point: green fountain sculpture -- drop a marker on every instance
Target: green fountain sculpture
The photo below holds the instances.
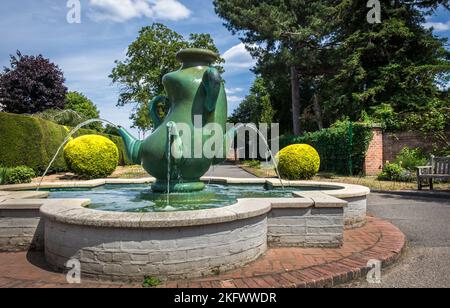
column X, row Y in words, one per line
column 196, row 91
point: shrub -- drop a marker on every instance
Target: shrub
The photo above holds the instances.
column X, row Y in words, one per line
column 31, row 141
column 411, row 158
column 91, row 156
column 395, row 172
column 17, row 175
column 342, row 147
column 3, row 171
column 252, row 164
column 298, row 162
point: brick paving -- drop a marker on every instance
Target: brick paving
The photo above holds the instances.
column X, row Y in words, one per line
column 280, row 267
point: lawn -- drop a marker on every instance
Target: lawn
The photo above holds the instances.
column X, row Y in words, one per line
column 369, row 181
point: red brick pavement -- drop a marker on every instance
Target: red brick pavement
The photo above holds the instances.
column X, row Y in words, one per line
column 281, row 267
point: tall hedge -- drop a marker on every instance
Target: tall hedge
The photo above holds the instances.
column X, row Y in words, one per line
column 32, row 142
column 342, row 148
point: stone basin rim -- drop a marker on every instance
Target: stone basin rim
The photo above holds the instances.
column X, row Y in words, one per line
column 342, row 190
column 78, row 214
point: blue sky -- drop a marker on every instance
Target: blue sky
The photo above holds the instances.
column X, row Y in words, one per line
column 86, row 52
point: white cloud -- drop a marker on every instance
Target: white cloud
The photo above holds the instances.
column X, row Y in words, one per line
column 233, row 102
column 438, row 26
column 124, row 10
column 231, row 91
column 237, row 57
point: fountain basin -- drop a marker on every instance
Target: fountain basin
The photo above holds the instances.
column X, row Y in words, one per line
column 177, row 245
column 190, row 243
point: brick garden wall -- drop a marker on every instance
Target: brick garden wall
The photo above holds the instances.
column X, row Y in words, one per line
column 394, row 143
column 386, row 146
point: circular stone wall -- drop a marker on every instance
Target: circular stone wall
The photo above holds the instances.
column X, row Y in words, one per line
column 132, row 246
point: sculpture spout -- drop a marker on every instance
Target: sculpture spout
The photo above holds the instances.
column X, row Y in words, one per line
column 132, row 145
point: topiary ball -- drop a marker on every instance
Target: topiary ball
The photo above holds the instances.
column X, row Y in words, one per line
column 298, row 162
column 91, row 156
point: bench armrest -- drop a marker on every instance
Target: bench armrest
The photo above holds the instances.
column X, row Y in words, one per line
column 423, row 170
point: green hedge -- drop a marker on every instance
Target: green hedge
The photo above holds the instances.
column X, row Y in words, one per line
column 342, row 148
column 32, row 142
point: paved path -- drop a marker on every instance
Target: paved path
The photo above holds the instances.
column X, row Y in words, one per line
column 229, row 171
column 426, row 223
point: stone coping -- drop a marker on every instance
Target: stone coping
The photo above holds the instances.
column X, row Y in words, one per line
column 16, row 195
column 337, row 190
column 73, row 212
column 36, row 204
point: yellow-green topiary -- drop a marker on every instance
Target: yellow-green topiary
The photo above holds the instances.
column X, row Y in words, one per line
column 91, row 156
column 298, row 162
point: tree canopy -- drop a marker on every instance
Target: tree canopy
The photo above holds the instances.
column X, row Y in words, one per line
column 84, row 107
column 149, row 58
column 32, row 84
column 334, row 64
column 256, row 107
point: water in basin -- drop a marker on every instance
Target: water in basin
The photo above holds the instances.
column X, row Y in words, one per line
column 139, row 198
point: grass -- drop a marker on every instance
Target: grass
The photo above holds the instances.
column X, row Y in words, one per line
column 129, row 172
column 369, row 181
column 136, row 172
column 151, row 282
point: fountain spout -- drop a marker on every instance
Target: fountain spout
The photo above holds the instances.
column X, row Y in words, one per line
column 132, row 145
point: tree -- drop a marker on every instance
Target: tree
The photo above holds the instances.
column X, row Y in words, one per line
column 84, row 107
column 396, row 69
column 256, row 107
column 32, row 84
column 141, row 119
column 355, row 68
column 151, row 56
column 298, row 32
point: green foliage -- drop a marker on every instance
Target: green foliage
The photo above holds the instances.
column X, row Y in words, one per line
column 151, row 282
column 3, row 172
column 111, row 130
column 84, row 107
column 252, row 163
column 337, row 151
column 256, row 107
column 298, row 162
column 91, row 156
column 293, row 41
column 61, row 117
column 16, row 175
column 395, row 172
column 141, row 118
column 409, row 159
column 151, row 56
column 395, row 73
column 30, row 141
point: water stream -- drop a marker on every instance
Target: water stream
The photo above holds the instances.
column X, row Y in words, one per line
column 69, row 136
column 261, row 135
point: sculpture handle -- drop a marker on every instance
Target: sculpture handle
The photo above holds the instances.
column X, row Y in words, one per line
column 212, row 83
column 153, row 109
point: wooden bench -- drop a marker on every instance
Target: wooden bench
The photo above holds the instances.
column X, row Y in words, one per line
column 438, row 170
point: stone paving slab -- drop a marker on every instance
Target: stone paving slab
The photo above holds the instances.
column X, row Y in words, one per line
column 280, row 267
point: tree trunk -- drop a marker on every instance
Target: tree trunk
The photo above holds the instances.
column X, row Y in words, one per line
column 295, row 85
column 317, row 111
